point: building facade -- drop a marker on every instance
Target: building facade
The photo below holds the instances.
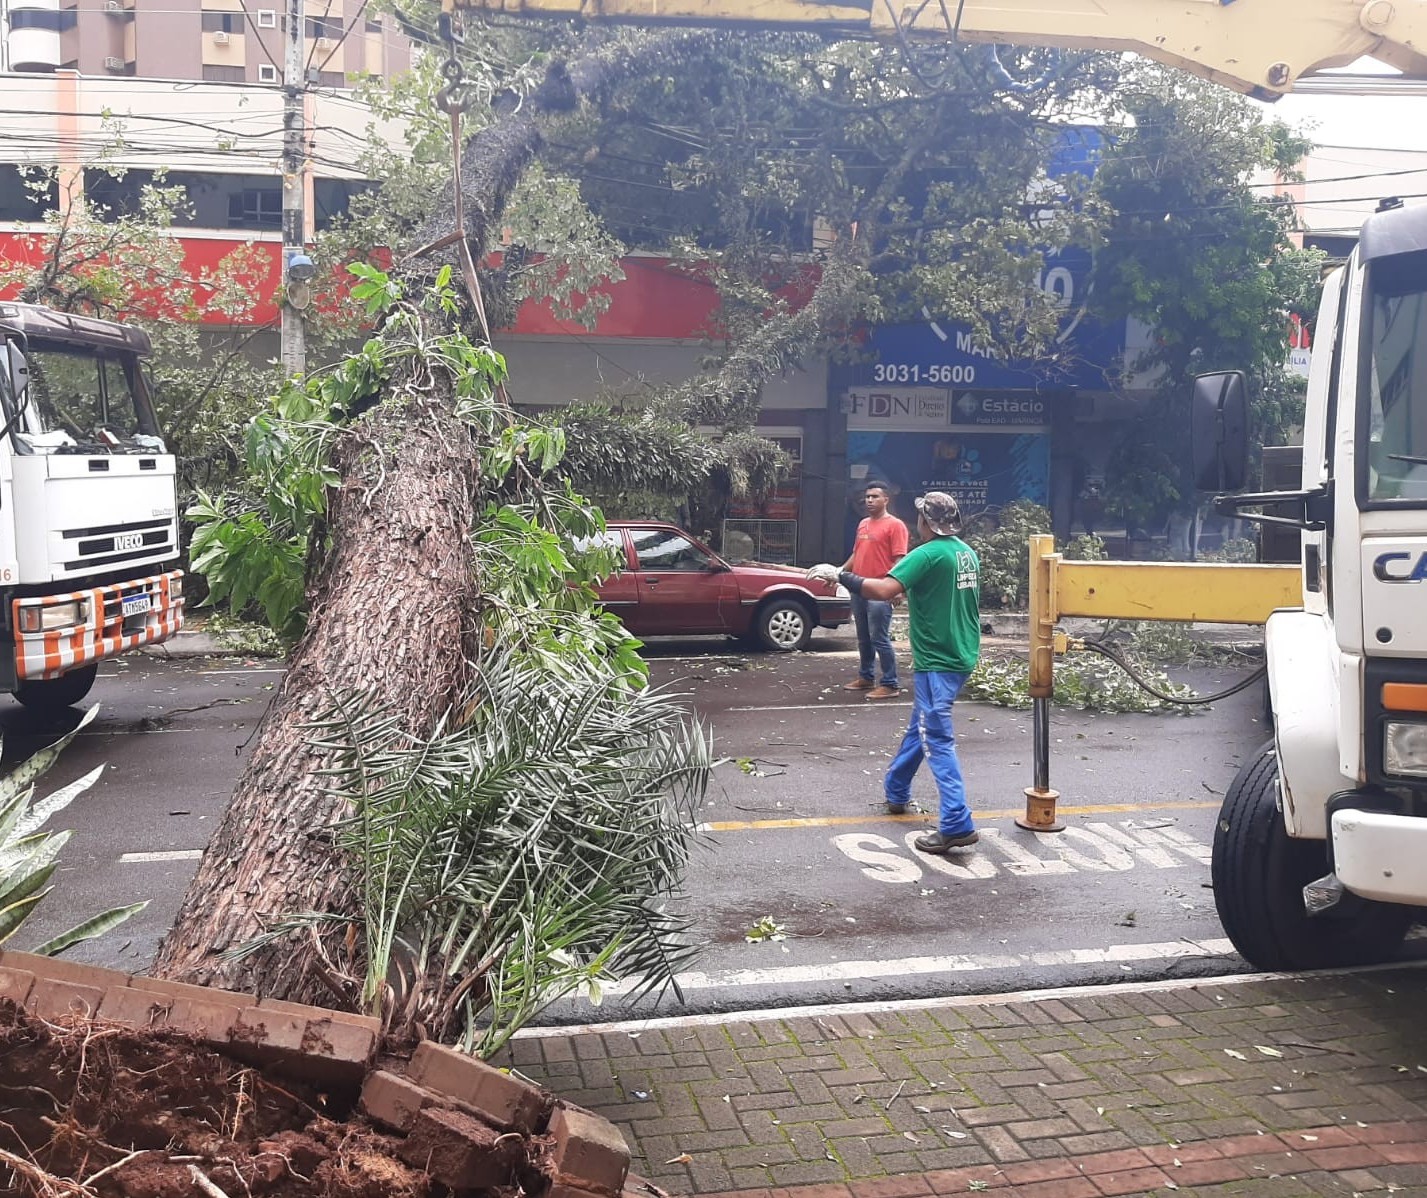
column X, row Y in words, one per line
column 215, row 41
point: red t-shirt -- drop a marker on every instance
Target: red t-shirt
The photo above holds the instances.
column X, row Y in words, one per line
column 879, row 543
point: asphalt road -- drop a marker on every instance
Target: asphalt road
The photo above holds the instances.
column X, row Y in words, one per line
column 796, row 835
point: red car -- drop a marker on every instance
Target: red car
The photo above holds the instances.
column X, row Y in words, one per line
column 672, row 585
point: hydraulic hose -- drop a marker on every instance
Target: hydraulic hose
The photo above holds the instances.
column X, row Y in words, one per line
column 1144, row 684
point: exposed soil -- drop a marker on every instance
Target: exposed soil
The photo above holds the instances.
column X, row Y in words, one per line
column 95, row 1110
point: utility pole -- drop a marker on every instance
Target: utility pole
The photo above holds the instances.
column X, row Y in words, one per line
column 294, row 161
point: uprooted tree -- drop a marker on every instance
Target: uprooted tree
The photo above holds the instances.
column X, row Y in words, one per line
column 428, row 505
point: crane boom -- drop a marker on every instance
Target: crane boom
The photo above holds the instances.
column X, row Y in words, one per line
column 1259, row 47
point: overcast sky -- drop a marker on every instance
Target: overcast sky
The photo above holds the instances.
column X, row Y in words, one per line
column 1375, row 122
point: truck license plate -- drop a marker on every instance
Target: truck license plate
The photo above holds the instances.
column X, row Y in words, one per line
column 137, row 605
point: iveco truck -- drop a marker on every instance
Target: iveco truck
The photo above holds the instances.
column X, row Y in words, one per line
column 88, row 520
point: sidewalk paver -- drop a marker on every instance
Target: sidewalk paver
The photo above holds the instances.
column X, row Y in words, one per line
column 1257, row 1087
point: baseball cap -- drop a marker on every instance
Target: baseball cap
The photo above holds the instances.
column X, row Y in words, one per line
column 940, row 511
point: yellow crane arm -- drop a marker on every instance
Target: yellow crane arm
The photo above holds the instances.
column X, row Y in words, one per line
column 1255, row 46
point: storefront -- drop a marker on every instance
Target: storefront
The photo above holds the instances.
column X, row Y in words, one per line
column 933, row 411
column 985, row 448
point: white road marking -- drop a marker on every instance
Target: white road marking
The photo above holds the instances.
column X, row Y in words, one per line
column 1088, row 848
column 942, row 1003
column 842, row 971
column 165, row 855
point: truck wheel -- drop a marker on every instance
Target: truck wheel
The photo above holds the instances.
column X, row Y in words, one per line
column 1259, row 872
column 783, row 625
column 50, row 696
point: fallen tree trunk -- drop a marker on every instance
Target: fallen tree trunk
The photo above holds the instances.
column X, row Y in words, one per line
column 392, row 617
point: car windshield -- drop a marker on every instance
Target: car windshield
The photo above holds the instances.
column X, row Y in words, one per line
column 1397, row 399
column 81, row 401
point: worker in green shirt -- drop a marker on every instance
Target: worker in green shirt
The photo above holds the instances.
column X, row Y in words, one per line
column 941, row 578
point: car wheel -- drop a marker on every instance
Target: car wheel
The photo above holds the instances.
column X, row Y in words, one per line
column 784, row 625
column 1259, row 872
column 50, row 696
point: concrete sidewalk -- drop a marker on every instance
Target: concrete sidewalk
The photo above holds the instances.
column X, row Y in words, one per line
column 1252, row 1086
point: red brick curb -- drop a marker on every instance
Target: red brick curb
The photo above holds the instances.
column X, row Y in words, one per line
column 1364, row 1159
column 465, row 1123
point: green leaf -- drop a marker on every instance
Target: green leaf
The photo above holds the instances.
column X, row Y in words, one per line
column 89, row 929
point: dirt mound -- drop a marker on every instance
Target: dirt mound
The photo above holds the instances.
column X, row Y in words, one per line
column 96, row 1110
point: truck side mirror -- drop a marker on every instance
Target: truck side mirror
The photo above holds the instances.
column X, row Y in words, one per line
column 1219, row 431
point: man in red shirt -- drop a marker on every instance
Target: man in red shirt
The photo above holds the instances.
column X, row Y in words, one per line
column 881, row 542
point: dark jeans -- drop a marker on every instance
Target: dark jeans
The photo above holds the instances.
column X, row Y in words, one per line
column 873, row 618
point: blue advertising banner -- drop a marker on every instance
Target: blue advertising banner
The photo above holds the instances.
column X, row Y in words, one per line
column 932, row 353
column 937, row 353
column 981, row 469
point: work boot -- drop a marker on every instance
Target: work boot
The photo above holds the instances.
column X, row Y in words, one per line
column 896, row 808
column 935, row 842
column 884, row 692
column 858, row 684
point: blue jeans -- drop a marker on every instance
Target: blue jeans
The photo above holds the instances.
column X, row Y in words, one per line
column 929, row 734
column 873, row 618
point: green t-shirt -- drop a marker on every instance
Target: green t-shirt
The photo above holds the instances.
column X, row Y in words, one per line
column 942, row 578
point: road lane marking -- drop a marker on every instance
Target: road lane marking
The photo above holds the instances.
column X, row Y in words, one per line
column 839, row 821
column 845, row 971
column 1089, row 848
column 165, row 855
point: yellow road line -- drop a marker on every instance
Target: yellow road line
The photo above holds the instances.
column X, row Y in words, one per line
column 837, row 821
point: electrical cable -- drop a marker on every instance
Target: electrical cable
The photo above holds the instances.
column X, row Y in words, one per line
column 1105, row 650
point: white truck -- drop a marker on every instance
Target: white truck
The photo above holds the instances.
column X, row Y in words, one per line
column 88, row 520
column 1320, row 856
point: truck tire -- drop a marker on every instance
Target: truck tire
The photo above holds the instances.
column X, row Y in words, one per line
column 783, row 625
column 1259, row 872
column 50, row 696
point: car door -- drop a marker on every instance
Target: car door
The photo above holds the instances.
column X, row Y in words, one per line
column 683, row 588
column 619, row 593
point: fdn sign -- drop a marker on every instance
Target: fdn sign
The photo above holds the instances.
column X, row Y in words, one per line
column 914, row 409
column 901, row 410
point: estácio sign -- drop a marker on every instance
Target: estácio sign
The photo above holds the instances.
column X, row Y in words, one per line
column 1023, row 409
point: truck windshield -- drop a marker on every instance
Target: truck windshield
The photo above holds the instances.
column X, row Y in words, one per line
column 80, row 401
column 1397, row 398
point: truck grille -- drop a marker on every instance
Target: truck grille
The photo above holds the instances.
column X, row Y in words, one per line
column 115, row 544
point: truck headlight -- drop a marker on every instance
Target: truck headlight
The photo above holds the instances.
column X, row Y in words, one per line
column 1404, row 749
column 53, row 615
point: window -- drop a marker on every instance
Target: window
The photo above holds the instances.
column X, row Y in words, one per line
column 222, row 22
column 111, row 196
column 328, row 27
column 255, row 208
column 374, row 25
column 660, row 549
column 39, row 18
column 333, row 198
column 213, row 74
column 267, row 18
column 267, row 73
column 331, row 79
column 78, row 394
column 1397, row 413
column 26, row 194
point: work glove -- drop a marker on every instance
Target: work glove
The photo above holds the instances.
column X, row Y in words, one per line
column 823, row 573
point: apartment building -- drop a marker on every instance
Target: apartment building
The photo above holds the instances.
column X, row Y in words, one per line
column 215, row 41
